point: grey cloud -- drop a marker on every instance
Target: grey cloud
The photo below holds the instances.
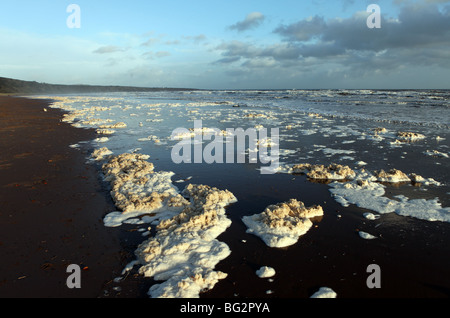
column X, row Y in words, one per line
column 303, row 30
column 197, row 38
column 322, row 50
column 252, row 20
column 238, row 48
column 228, row 60
column 173, row 42
column 418, row 38
column 158, row 54
column 150, row 42
column 260, row 63
column 108, row 49
column 416, row 26
column 437, row 1
column 280, row 51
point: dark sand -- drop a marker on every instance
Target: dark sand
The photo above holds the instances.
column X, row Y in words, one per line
column 51, row 208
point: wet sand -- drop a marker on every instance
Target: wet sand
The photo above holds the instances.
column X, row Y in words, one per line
column 52, row 217
column 413, row 254
column 51, row 208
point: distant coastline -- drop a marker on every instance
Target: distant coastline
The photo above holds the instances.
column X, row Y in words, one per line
column 15, row 86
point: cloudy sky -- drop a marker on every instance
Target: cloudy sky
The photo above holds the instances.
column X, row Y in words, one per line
column 229, row 44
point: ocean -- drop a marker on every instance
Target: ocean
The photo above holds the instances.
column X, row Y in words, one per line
column 377, row 158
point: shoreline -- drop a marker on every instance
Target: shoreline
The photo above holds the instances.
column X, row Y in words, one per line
column 51, row 208
column 331, row 254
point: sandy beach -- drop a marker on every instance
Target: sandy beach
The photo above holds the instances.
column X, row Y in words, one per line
column 223, row 157
column 53, row 205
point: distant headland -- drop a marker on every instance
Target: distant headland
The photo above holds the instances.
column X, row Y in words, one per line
column 15, row 86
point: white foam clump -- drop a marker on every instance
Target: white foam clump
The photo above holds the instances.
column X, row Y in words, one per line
column 405, row 137
column 321, row 172
column 113, row 126
column 105, row 131
column 369, row 194
column 415, row 178
column 101, row 154
column 101, row 139
column 324, row 292
column 255, row 115
column 409, row 136
column 371, row 216
column 397, row 143
column 397, row 176
column 366, row 235
column 192, row 132
column 307, row 132
column 435, row 153
column 331, row 152
column 365, row 191
column 282, row 224
column 138, row 190
column 391, row 176
column 184, row 251
column 265, row 272
column 150, row 138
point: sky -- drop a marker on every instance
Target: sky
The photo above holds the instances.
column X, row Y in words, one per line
column 246, row 44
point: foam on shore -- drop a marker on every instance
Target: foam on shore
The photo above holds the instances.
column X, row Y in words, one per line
column 184, row 251
column 101, row 154
column 281, row 225
column 265, row 272
column 391, row 176
column 370, row 195
column 436, row 153
column 409, row 136
column 321, row 172
column 324, row 292
column 365, row 189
